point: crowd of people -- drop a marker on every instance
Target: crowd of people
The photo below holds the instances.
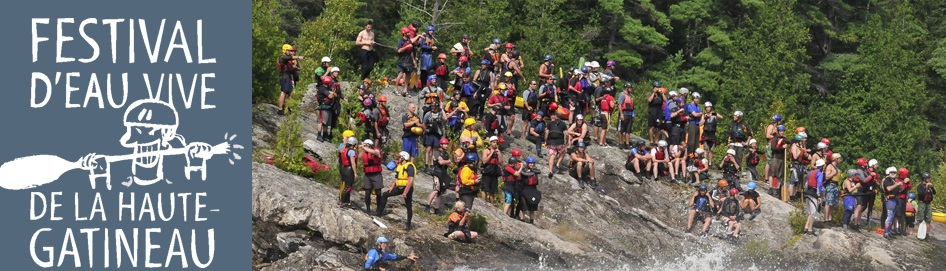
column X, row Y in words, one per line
column 474, row 96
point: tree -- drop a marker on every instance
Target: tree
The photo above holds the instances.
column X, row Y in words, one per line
column 332, row 34
column 267, row 42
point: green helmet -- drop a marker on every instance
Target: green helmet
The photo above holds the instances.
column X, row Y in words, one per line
column 799, row 137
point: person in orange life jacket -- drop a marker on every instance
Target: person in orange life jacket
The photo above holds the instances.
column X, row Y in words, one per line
column 468, row 181
column 729, row 211
column 605, row 102
column 427, row 48
column 347, row 158
column 326, row 98
column 442, row 180
column 678, row 161
column 374, row 181
column 661, row 160
column 911, row 213
column 814, row 194
column 383, row 117
column 751, row 202
column 458, row 224
column 738, row 135
column 777, row 162
column 626, row 116
column 770, row 131
column 832, row 176
column 409, row 139
column 752, row 160
column 582, row 167
column 403, row 186
column 730, row 167
column 512, row 184
column 901, row 195
column 577, row 132
column 430, row 93
column 554, row 138
column 700, row 204
column 892, row 186
column 288, row 72
column 491, row 160
column 530, row 105
column 799, row 170
column 851, row 186
column 694, row 115
column 925, row 193
column 376, row 258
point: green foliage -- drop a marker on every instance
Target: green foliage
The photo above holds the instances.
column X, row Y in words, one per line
column 479, row 223
column 289, row 153
column 939, row 182
column 332, row 34
column 797, row 219
column 267, row 42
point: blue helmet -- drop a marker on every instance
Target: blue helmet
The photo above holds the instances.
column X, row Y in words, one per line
column 496, row 40
column 432, row 77
column 530, row 160
column 430, row 28
column 751, row 186
column 702, row 187
column 584, row 69
column 547, row 58
column 471, row 157
column 656, row 83
column 484, row 62
column 382, row 240
column 540, row 113
column 391, row 165
column 781, row 128
column 911, row 196
column 581, row 144
column 776, row 117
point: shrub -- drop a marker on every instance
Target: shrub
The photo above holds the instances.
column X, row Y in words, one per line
column 797, row 219
column 479, row 223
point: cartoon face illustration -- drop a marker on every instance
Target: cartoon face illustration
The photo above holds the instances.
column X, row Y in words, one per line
column 150, row 127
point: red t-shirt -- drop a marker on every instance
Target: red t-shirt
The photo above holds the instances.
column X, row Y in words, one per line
column 606, row 103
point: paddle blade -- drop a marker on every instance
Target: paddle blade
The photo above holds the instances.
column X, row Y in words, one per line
column 32, row 171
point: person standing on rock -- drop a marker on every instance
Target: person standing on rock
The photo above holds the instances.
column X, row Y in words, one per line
column 814, row 194
column 654, row 111
column 770, row 133
column 892, row 187
column 536, row 132
column 376, row 258
column 511, row 184
column 530, row 196
column 492, row 169
column 468, row 181
column 626, row 116
column 700, row 206
column 428, row 46
column 530, row 100
column 905, row 186
column 410, row 123
column 739, row 134
column 372, row 159
column 434, row 122
column 458, row 224
column 925, row 192
column 288, row 70
column 326, row 98
column 851, row 186
column 365, row 42
column 832, row 191
column 799, row 158
column 347, row 157
column 403, row 186
column 383, row 116
column 777, row 164
column 405, row 62
column 694, row 115
column 555, row 140
column 442, row 180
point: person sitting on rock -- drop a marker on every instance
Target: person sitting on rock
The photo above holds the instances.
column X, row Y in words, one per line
column 582, row 166
column 678, row 157
column 730, row 167
column 377, row 257
column 719, row 194
column 637, row 157
column 751, row 203
column 661, row 161
column 730, row 212
column 458, row 224
column 699, row 166
column 700, row 204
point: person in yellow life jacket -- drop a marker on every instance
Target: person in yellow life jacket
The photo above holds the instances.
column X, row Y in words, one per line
column 403, row 186
column 469, row 130
column 468, row 181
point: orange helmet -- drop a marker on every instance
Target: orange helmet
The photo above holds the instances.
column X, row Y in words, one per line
column 800, row 129
column 442, row 56
column 382, row 99
column 722, row 183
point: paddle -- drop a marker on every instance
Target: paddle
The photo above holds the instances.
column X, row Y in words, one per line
column 32, row 171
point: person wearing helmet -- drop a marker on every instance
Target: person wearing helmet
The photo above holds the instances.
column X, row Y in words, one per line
column 655, row 113
column 383, row 115
column 832, row 190
column 594, row 76
column 776, row 165
column 430, row 93
column 491, row 160
column 893, row 185
column 546, row 68
column 729, row 212
column 403, row 186
column 347, row 157
column 462, row 48
column 814, row 194
column 554, row 138
column 512, row 183
column 770, row 131
column 638, row 157
column 751, row 202
column 440, row 70
column 718, row 194
column 372, row 159
column 529, row 196
column 925, row 193
column 405, row 61
column 324, row 68
column 484, row 80
column 461, row 80
column 798, row 155
column 752, row 160
column 604, row 107
column 530, row 105
column 548, row 94
column 905, row 186
column 730, row 166
column 428, row 46
column 709, row 121
column 326, row 98
column 870, row 180
column 660, row 163
column 820, row 152
column 433, row 122
column 693, row 116
column 700, row 208
column 365, row 42
column 625, row 105
column 739, row 135
column 288, row 68
column 582, row 167
column 410, row 123
column 513, row 64
column 467, row 180
column 609, row 70
column 577, row 131
column 493, row 121
column 911, row 213
column 851, row 198
column 470, row 130
column 536, row 132
column 377, row 257
column 442, row 181
column 455, row 110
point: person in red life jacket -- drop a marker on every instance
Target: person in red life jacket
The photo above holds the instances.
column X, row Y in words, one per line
column 730, row 167
column 700, row 206
column 678, row 161
column 374, row 181
column 492, row 121
column 605, row 102
column 491, row 160
column 626, row 117
column 577, row 132
column 730, row 210
column 442, row 181
column 512, row 184
column 507, row 111
column 751, row 202
column 891, row 186
column 872, row 182
column 827, row 152
column 925, row 193
column 403, row 186
column 286, row 64
column 813, row 194
column 799, row 158
column 442, row 71
column 458, row 224
column 546, row 69
column 383, row 117
column 699, row 167
column 326, row 97
column 911, row 213
column 582, row 167
column 576, row 91
column 752, row 160
column 347, row 157
column 661, row 161
column 405, row 60
column 905, row 186
column 776, row 175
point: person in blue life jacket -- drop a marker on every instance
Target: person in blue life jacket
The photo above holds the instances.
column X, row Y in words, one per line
column 700, row 206
column 377, row 258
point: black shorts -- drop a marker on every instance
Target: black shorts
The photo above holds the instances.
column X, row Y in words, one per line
column 287, row 84
column 526, row 115
column 625, row 125
column 655, row 118
column 373, row 181
column 489, row 184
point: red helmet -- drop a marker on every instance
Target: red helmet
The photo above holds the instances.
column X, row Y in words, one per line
column 442, row 56
column 533, row 115
column 444, row 141
column 516, row 153
column 862, row 162
column 553, row 106
column 826, row 141
column 903, row 172
column 326, row 80
column 509, row 45
column 463, row 59
column 733, row 191
column 382, row 99
column 405, row 30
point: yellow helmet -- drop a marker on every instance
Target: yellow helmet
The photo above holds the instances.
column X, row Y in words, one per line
column 468, row 122
column 347, row 134
column 508, row 74
column 501, row 86
column 286, row 47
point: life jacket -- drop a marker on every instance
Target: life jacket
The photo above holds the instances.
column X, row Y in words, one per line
column 532, row 99
column 802, row 158
column 441, row 70
column 508, row 176
column 701, row 202
column 557, row 130
column 753, row 158
column 548, row 69
column 494, row 160
column 383, row 117
column 778, row 149
column 659, row 154
column 343, row 157
column 628, row 104
column 372, row 163
column 551, row 90
column 533, row 180
column 926, row 195
column 739, row 132
column 402, row 174
column 910, row 208
column 287, row 67
column 813, row 178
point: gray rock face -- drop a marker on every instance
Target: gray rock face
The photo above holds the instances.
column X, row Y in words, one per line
column 636, row 225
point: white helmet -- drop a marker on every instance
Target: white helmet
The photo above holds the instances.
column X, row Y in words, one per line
column 731, row 151
column 580, row 117
column 683, row 91
column 708, row 104
column 673, row 93
column 577, row 71
column 594, row 64
column 368, row 142
column 333, row 69
column 819, row 163
column 587, row 64
column 737, row 113
column 352, row 141
column 404, row 155
column 872, row 162
column 752, row 141
column 821, row 145
column 695, row 94
column 699, row 151
column 891, row 170
column 662, row 143
column 493, row 138
column 326, row 59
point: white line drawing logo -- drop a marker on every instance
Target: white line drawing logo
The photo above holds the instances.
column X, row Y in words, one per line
column 151, row 133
